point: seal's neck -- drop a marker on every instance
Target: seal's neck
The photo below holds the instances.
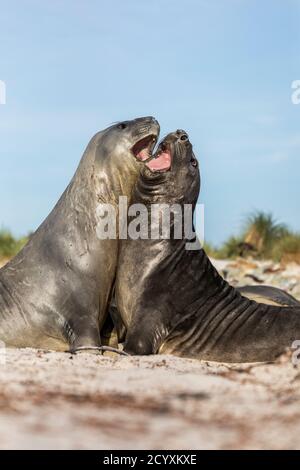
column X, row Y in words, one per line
column 104, row 180
column 152, row 188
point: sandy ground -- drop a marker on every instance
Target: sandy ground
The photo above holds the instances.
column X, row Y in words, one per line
column 57, row 401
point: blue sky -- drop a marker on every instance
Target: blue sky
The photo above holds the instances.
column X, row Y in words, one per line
column 221, row 69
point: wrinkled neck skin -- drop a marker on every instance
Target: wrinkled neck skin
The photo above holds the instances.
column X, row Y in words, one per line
column 156, row 188
column 182, row 306
column 159, row 193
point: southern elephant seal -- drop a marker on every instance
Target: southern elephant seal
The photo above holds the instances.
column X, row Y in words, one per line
column 172, row 300
column 54, row 293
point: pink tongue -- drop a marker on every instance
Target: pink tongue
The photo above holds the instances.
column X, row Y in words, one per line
column 143, row 155
column 163, row 162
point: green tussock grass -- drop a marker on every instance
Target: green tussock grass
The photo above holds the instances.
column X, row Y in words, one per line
column 288, row 247
column 261, row 237
column 263, row 232
column 9, row 245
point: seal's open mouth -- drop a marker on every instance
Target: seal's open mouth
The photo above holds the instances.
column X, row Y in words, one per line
column 162, row 160
column 142, row 150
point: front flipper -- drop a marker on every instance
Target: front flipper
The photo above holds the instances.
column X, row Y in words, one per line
column 99, row 349
column 82, row 332
column 85, row 337
column 138, row 345
column 147, row 334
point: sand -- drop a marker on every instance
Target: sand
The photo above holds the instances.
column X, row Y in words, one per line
column 52, row 400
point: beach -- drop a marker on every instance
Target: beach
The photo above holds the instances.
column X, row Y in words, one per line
column 53, row 400
column 58, row 401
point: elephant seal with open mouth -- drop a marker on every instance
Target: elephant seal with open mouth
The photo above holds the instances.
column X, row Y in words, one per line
column 54, row 293
column 172, row 300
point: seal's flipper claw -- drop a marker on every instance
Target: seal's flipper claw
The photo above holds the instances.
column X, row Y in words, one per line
column 100, row 349
column 114, row 350
column 92, row 349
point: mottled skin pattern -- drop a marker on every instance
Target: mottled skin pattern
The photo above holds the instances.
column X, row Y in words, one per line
column 173, row 301
column 54, row 293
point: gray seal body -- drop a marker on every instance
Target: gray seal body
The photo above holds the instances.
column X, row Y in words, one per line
column 54, row 293
column 173, row 301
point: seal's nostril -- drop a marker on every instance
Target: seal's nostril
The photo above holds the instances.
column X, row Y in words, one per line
column 182, row 135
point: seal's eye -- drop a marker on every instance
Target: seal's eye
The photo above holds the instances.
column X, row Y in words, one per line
column 184, row 137
column 194, row 162
column 122, row 126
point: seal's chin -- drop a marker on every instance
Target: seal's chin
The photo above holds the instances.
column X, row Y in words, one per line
column 162, row 161
column 142, row 150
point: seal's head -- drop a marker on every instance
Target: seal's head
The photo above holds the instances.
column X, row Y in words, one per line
column 133, row 139
column 114, row 156
column 173, row 173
